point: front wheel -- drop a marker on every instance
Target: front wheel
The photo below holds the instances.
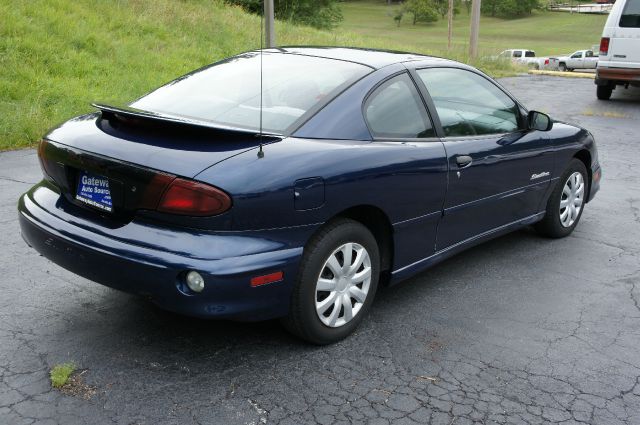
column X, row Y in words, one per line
column 566, row 202
column 336, row 283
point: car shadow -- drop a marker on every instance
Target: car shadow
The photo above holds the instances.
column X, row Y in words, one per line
column 629, row 96
column 131, row 321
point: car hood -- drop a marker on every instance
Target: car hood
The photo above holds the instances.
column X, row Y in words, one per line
column 177, row 148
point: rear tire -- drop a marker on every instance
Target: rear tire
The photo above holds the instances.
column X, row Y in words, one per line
column 331, row 297
column 566, row 203
column 562, row 67
column 604, row 92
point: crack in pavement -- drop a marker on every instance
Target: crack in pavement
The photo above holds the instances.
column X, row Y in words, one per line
column 521, row 330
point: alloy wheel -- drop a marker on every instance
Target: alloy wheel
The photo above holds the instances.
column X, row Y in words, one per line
column 571, row 199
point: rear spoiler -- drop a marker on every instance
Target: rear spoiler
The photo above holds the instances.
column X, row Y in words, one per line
column 127, row 113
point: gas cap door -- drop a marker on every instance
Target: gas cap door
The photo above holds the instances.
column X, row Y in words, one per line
column 308, row 194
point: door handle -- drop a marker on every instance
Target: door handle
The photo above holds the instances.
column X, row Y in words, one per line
column 463, row 161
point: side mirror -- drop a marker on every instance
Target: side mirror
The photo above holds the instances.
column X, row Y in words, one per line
column 539, row 121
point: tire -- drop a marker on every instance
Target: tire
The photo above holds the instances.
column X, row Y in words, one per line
column 559, row 222
column 604, row 92
column 304, row 318
column 562, row 67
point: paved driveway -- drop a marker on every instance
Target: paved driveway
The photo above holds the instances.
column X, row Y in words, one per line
column 519, row 330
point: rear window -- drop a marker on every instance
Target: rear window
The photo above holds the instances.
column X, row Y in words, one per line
column 631, row 15
column 228, row 93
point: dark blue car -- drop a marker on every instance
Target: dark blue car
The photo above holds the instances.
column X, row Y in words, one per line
column 294, row 192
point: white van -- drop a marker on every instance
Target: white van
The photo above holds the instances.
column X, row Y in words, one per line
column 619, row 61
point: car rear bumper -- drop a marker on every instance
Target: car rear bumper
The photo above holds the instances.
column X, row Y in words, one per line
column 156, row 273
column 604, row 75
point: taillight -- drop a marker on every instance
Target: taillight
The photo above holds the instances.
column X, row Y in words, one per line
column 154, row 190
column 546, row 61
column 604, row 46
column 186, row 197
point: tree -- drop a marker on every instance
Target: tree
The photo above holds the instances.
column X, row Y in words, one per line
column 422, row 10
column 324, row 14
column 442, row 6
column 508, row 8
column 398, row 15
column 467, row 4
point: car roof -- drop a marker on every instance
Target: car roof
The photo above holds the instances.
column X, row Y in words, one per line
column 372, row 58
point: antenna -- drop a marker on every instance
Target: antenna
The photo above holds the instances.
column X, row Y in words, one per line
column 260, row 151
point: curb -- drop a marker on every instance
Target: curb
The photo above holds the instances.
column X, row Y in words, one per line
column 563, row 74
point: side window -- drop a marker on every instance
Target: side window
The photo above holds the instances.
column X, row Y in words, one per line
column 631, row 15
column 577, row 55
column 517, row 54
column 469, row 104
column 530, row 54
column 589, row 54
column 395, row 110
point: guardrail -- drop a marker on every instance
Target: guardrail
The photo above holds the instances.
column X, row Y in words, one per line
column 582, row 8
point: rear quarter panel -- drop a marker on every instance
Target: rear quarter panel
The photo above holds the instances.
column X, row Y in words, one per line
column 406, row 181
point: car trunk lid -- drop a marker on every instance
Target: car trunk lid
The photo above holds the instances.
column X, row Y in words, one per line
column 139, row 153
column 178, row 146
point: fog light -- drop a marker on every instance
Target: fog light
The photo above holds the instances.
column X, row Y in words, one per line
column 195, row 282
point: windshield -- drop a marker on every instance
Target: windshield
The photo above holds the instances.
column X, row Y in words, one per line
column 228, row 93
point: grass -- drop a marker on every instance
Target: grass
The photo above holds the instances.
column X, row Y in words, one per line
column 60, row 374
column 548, row 33
column 57, row 56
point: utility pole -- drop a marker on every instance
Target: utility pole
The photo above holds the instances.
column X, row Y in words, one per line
column 475, row 29
column 269, row 24
column 450, row 24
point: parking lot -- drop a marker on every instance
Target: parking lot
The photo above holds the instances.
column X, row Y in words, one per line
column 520, row 330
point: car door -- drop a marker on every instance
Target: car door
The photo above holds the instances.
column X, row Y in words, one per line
column 498, row 169
column 576, row 60
column 397, row 117
column 517, row 55
column 589, row 59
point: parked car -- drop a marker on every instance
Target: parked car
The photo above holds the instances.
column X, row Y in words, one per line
column 292, row 193
column 619, row 63
column 524, row 56
column 582, row 59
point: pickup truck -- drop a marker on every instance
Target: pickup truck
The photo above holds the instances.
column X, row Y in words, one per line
column 524, row 56
column 582, row 59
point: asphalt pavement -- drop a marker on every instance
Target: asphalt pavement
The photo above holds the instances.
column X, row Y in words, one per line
column 521, row 330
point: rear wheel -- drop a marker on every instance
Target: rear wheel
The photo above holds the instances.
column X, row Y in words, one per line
column 566, row 203
column 336, row 283
column 562, row 67
column 604, row 92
